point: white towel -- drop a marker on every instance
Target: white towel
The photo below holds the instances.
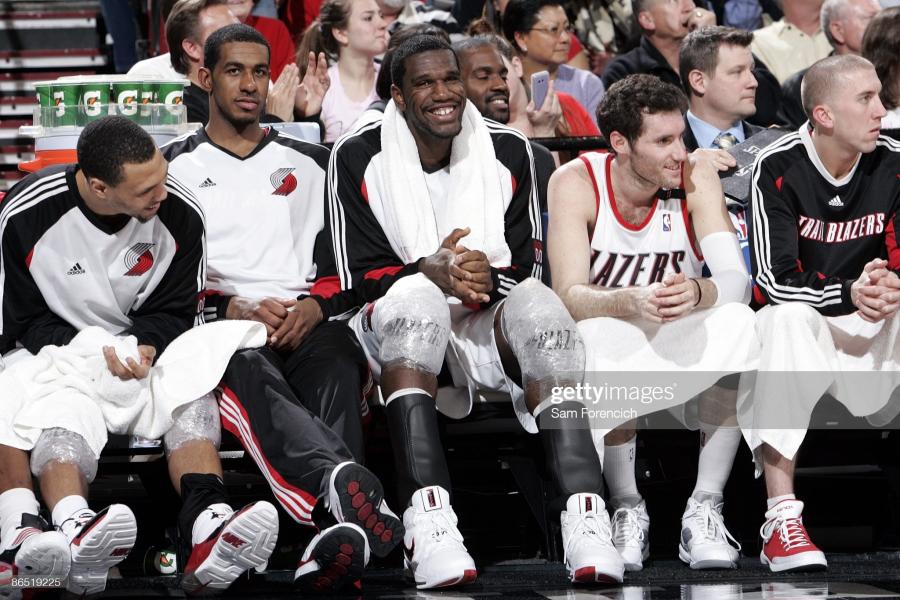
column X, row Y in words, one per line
column 475, row 197
column 71, row 387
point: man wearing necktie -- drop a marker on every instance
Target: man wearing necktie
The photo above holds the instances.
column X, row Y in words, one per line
column 717, row 74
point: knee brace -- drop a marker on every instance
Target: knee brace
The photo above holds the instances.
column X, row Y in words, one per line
column 196, row 421
column 63, row 446
column 542, row 334
column 413, row 323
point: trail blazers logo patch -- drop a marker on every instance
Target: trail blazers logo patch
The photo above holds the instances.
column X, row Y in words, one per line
column 283, row 181
column 138, row 259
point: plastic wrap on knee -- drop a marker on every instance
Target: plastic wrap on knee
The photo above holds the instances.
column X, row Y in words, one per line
column 413, row 323
column 542, row 334
column 63, row 446
column 198, row 420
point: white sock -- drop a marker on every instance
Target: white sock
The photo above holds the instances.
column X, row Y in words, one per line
column 13, row 504
column 208, row 521
column 771, row 502
column 716, row 459
column 618, row 470
column 70, row 513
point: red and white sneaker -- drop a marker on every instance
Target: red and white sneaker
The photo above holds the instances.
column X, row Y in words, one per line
column 589, row 552
column 435, row 555
column 786, row 545
column 246, row 540
column 97, row 543
column 334, row 559
column 355, row 495
column 34, row 552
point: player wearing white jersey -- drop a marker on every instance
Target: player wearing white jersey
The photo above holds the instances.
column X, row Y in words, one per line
column 295, row 403
column 654, row 218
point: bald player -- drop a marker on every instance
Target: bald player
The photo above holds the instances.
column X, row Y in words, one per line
column 825, row 257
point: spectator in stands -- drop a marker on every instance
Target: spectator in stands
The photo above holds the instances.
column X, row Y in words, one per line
column 116, row 203
column 161, row 64
column 793, row 43
column 120, row 22
column 607, row 29
column 844, row 22
column 881, row 46
column 664, row 25
column 409, row 12
column 491, row 21
column 275, row 32
column 718, row 79
column 540, row 32
column 721, row 91
column 352, row 33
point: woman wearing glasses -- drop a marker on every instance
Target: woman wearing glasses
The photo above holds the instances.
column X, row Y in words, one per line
column 541, row 34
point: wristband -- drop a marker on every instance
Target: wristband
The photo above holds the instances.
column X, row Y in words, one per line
column 699, row 291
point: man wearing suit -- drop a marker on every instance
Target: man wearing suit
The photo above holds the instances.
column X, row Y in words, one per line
column 717, row 75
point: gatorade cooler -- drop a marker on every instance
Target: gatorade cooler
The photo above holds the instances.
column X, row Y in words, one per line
column 68, row 104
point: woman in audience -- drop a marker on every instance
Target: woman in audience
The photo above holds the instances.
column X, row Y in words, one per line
column 491, row 21
column 352, row 33
column 541, row 34
column 881, row 46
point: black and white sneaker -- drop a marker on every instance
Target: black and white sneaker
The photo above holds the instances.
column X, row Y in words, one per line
column 333, row 560
column 356, row 496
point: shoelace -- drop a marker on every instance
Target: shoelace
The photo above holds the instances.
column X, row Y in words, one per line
column 598, row 531
column 439, row 529
column 791, row 532
column 712, row 525
column 627, row 528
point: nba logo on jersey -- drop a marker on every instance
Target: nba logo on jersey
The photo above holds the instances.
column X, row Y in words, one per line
column 667, row 221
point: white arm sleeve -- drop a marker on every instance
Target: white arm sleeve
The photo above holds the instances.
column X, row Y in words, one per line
column 722, row 254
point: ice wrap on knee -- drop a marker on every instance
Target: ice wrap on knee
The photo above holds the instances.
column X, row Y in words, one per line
column 550, row 351
column 196, row 421
column 413, row 322
column 543, row 336
column 63, row 446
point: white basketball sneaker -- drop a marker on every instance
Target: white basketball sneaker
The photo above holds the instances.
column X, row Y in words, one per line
column 631, row 535
column 587, row 541
column 433, row 546
column 705, row 542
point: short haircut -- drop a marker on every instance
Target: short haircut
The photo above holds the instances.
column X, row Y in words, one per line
column 184, row 23
column 470, row 44
column 824, row 77
column 236, row 32
column 700, row 50
column 411, row 47
column 831, row 10
column 628, row 100
column 881, row 46
column 400, row 35
column 521, row 16
column 107, row 144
